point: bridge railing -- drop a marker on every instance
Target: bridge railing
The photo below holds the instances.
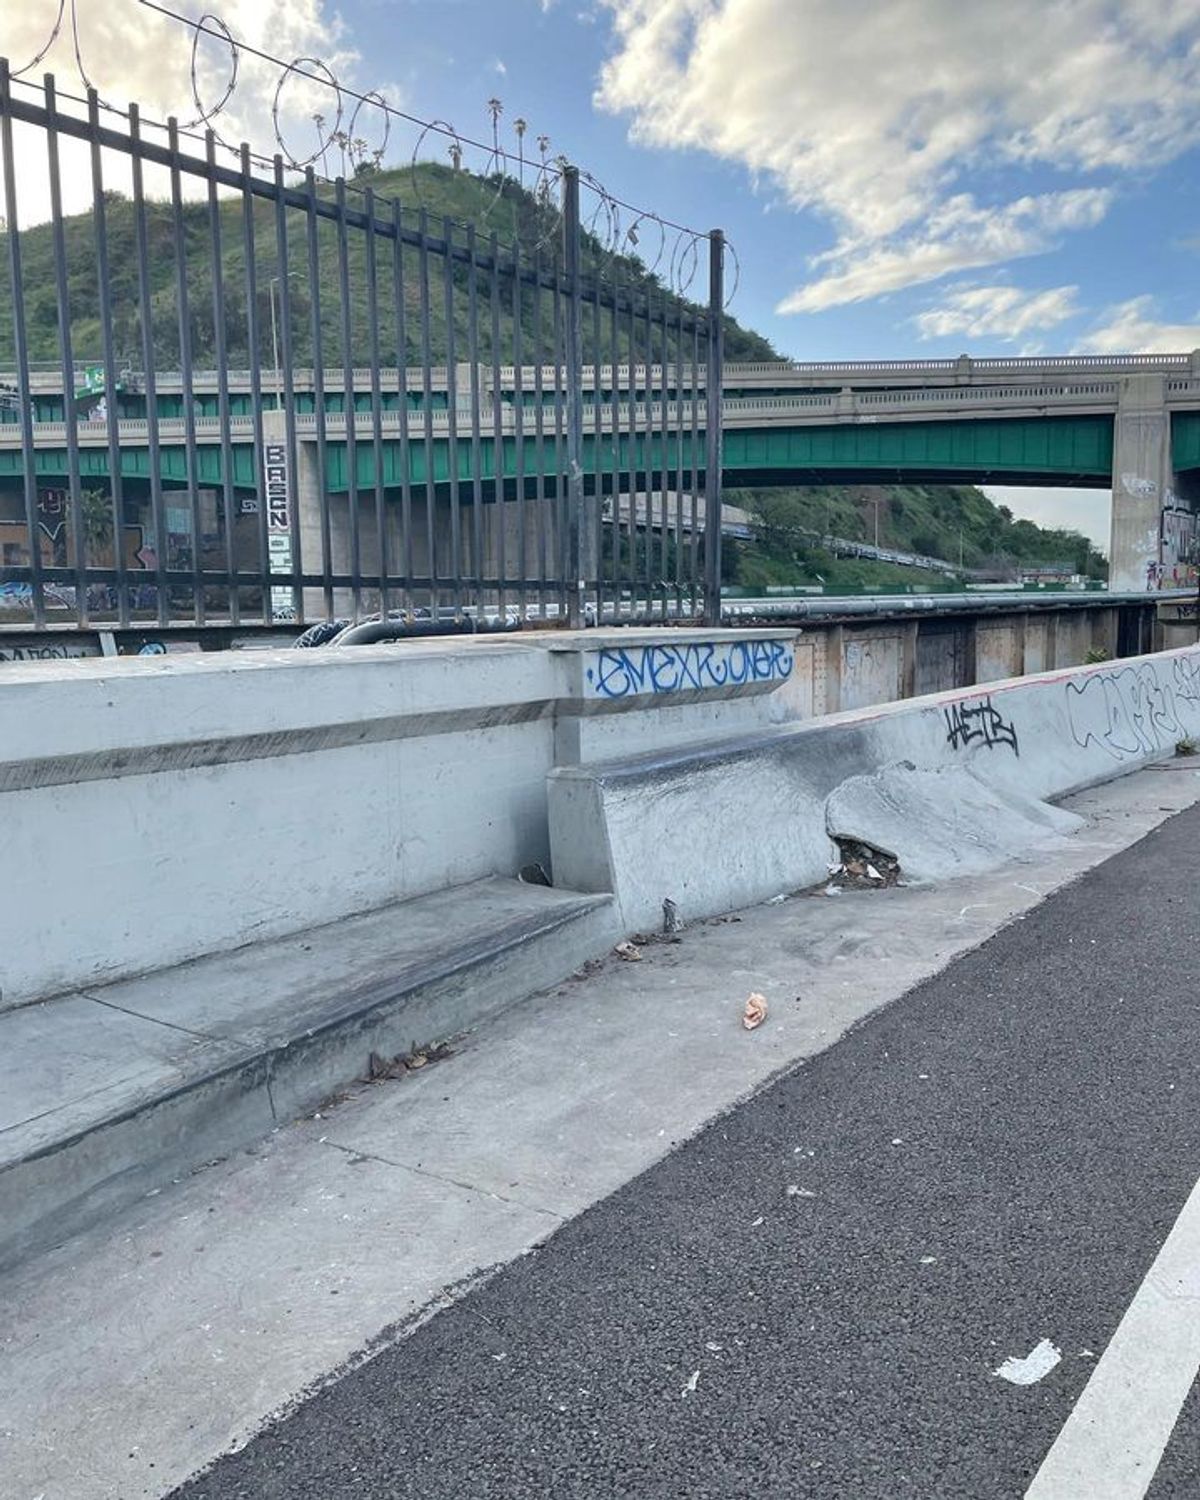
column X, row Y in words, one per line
column 228, row 273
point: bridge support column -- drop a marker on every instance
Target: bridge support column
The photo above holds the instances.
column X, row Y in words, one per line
column 1141, row 482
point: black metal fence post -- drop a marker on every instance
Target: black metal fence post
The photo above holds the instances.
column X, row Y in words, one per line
column 712, row 429
column 577, row 529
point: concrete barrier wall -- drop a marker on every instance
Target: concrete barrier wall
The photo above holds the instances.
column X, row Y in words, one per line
column 949, row 782
column 843, row 665
column 158, row 809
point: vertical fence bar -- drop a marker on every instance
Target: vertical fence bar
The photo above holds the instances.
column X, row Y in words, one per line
column 116, row 488
column 539, row 431
column 647, row 459
column 220, row 350
column 256, row 399
column 184, row 324
column 398, row 290
column 518, row 355
column 67, row 356
column 21, row 349
column 694, row 477
column 381, row 545
column 293, row 561
column 497, row 429
column 632, row 461
column 476, row 474
column 597, row 516
column 614, row 425
column 452, row 422
column 149, row 372
column 561, row 570
column 714, row 413
column 320, row 415
column 664, row 471
column 577, row 529
column 677, row 408
column 427, row 408
column 348, row 405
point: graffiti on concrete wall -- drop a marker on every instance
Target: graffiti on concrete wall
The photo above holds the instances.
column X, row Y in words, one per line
column 624, row 672
column 979, row 722
column 1131, row 712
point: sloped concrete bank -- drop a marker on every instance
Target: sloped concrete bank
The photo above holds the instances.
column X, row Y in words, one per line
column 952, row 784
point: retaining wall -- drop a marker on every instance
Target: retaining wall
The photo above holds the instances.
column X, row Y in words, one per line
column 158, row 809
column 949, row 782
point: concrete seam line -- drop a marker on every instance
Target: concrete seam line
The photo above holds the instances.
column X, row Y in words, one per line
column 189, row 755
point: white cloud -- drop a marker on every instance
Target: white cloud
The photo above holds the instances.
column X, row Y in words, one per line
column 500, row 67
column 873, row 111
column 959, row 236
column 131, row 53
column 1132, row 328
column 1003, row 312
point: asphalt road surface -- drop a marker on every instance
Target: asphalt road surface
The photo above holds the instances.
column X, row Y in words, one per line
column 811, row 1298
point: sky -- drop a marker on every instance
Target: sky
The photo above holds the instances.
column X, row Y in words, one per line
column 897, row 177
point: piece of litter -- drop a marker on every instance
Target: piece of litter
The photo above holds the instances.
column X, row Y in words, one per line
column 671, row 922
column 1087, row 1354
column 714, row 1348
column 693, row 1381
column 873, row 873
column 1038, row 1363
column 922, row 1075
column 755, row 1012
column 929, row 1260
column 775, row 900
column 897, row 1140
column 799, row 1192
column 628, row 951
column 833, row 890
column 754, row 1223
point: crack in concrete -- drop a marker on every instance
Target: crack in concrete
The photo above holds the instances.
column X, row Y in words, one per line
column 467, row 1187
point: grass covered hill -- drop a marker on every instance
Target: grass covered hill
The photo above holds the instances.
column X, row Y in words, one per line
column 495, row 206
column 955, row 522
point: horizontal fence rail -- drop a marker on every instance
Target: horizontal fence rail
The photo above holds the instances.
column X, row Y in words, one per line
column 531, row 434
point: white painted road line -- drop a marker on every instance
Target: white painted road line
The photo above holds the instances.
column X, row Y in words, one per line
column 1115, row 1437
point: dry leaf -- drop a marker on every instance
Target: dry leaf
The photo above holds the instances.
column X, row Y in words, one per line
column 628, row 951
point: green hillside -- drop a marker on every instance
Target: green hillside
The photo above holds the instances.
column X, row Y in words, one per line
column 955, row 522
column 496, row 206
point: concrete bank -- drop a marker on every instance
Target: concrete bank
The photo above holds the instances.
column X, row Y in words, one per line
column 949, row 783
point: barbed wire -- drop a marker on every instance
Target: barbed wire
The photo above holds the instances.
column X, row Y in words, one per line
column 613, row 224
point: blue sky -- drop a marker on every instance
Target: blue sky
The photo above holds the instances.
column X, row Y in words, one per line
column 898, row 177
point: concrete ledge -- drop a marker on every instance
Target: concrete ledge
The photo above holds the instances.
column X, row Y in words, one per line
column 955, row 780
column 163, row 808
column 110, row 1094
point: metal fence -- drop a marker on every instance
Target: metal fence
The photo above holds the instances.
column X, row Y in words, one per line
column 257, row 397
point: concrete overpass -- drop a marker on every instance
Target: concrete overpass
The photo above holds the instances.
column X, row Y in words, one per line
column 1128, row 423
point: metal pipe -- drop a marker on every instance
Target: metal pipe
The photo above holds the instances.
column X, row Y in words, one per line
column 367, row 632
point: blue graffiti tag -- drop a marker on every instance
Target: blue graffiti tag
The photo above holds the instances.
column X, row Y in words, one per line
column 624, row 673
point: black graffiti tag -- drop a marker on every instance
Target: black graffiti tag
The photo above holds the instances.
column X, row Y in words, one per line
column 983, row 723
